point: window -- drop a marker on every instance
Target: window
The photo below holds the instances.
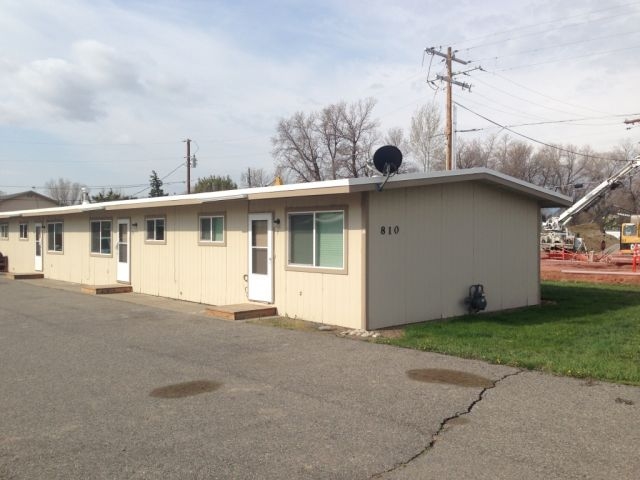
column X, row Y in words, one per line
column 212, row 229
column 155, row 229
column 101, row 237
column 316, row 239
column 54, row 237
column 4, row 231
column 629, row 229
column 24, row 231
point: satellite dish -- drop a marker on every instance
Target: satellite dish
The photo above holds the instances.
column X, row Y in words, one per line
column 387, row 159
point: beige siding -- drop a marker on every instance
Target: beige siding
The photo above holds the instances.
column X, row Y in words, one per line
column 25, row 202
column 74, row 264
column 449, row 238
column 21, row 253
column 316, row 296
column 182, row 268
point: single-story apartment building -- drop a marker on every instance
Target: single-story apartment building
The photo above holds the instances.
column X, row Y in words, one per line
column 25, row 201
column 339, row 252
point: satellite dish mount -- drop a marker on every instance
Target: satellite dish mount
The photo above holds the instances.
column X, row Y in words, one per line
column 387, row 161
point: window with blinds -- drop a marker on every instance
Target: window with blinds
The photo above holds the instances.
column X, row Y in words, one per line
column 316, row 239
column 212, row 229
column 101, row 237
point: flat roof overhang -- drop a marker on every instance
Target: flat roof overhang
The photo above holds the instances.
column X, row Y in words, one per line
column 545, row 198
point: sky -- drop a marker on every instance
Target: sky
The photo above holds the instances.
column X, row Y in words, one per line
column 103, row 92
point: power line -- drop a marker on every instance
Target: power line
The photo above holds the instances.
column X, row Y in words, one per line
column 574, row 57
column 92, row 144
column 558, row 45
column 517, row 113
column 182, row 164
column 544, row 120
column 41, row 187
column 543, row 94
column 550, row 145
column 542, row 24
column 522, row 98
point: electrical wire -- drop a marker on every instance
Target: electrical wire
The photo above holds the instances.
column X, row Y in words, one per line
column 563, row 26
column 558, row 45
column 40, row 187
column 101, row 144
column 543, row 94
column 574, row 57
column 550, row 145
column 182, row 164
column 522, row 98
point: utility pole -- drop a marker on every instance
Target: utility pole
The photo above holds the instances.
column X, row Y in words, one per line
column 448, row 131
column 188, row 140
column 191, row 162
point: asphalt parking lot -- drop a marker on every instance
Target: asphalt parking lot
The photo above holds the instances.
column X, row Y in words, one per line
column 129, row 386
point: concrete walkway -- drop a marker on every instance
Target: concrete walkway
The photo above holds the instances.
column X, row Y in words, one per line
column 132, row 386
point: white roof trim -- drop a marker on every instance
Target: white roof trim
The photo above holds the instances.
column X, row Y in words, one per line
column 545, row 197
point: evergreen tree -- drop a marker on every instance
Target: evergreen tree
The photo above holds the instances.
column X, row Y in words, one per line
column 156, row 185
column 214, row 183
column 110, row 196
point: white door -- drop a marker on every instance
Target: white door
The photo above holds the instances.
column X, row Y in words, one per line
column 260, row 276
column 38, row 262
column 124, row 254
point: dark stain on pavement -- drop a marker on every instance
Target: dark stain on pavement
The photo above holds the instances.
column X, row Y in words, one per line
column 186, row 389
column 449, row 377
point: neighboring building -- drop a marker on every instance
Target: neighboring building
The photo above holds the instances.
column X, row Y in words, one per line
column 25, row 201
column 337, row 252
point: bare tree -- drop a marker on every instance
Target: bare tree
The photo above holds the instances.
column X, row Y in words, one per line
column 256, row 177
column 359, row 132
column 395, row 136
column 64, row 191
column 334, row 143
column 476, row 152
column 297, row 149
column 427, row 137
column 330, row 136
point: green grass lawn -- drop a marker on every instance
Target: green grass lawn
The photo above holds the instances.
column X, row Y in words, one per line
column 580, row 330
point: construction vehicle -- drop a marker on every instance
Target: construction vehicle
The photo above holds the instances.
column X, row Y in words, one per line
column 629, row 236
column 556, row 236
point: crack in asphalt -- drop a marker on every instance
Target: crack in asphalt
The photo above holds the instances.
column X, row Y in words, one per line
column 444, row 423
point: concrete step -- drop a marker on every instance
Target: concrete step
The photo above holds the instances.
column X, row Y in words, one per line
column 241, row 311
column 105, row 289
column 24, row 276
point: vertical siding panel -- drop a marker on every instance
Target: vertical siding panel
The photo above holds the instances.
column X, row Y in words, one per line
column 514, row 264
column 423, row 265
column 487, row 244
column 457, row 239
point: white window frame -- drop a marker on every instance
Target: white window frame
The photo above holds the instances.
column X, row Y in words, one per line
column 51, row 230
column 101, row 237
column 4, row 231
column 24, row 231
column 155, row 220
column 313, row 267
column 210, row 217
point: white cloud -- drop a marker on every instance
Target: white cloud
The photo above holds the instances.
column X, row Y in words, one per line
column 95, row 72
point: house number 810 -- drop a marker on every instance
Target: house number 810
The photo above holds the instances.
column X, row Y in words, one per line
column 389, row 230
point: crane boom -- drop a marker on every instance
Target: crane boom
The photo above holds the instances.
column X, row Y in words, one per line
column 558, row 223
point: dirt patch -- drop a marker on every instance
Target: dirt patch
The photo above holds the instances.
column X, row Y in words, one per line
column 589, row 272
column 186, row 389
column 296, row 324
column 449, row 377
column 391, row 332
